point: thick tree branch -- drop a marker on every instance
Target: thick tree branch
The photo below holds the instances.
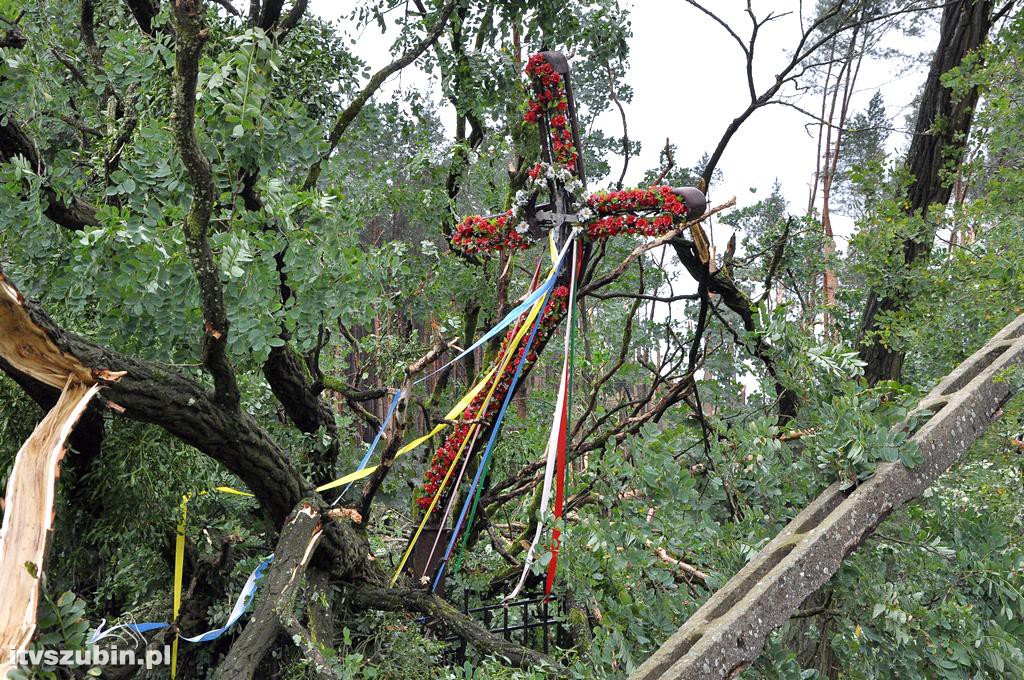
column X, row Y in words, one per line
column 191, row 34
column 294, row 389
column 270, row 16
column 156, row 394
column 72, row 212
column 299, row 536
column 144, row 12
column 293, row 16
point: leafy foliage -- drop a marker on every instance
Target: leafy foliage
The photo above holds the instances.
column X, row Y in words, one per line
column 352, row 276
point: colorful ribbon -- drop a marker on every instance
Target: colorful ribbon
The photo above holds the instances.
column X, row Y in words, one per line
column 242, row 603
column 481, row 472
column 362, row 471
column 555, row 453
column 497, row 370
column 454, row 413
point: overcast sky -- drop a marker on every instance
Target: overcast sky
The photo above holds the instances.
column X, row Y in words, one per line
column 670, row 39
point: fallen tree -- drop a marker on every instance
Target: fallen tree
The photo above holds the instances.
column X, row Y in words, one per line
column 727, row 633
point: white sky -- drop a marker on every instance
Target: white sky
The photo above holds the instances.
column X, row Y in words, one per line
column 671, row 39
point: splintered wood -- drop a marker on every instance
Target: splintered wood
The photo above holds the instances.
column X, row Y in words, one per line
column 32, row 483
column 25, row 345
column 28, row 517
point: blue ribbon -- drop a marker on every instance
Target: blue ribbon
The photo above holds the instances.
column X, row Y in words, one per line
column 134, row 628
column 490, row 443
column 242, row 605
column 376, row 440
column 541, row 291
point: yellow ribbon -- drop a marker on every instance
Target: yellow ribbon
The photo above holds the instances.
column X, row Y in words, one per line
column 458, row 408
column 451, row 415
column 507, row 355
column 235, row 492
column 179, row 566
column 179, row 562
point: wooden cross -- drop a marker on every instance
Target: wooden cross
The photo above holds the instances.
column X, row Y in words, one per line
column 560, row 176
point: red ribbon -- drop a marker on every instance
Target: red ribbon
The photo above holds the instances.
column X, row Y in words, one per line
column 559, row 493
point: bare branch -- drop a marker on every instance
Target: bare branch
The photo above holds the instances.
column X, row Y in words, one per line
column 625, row 130
column 346, row 117
column 718, row 20
column 670, row 163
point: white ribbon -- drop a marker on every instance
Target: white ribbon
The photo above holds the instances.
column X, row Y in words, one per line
column 552, row 448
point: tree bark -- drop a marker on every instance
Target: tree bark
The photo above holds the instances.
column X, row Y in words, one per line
column 305, row 405
column 943, row 125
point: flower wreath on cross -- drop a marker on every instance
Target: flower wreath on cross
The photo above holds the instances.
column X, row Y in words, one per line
column 652, row 211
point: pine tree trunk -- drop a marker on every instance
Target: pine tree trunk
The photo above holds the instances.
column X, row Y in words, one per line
column 943, row 124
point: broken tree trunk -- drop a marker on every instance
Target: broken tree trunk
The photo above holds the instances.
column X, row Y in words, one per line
column 299, row 536
column 32, row 482
column 727, row 633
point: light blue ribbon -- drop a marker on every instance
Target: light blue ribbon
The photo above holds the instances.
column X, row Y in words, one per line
column 376, row 440
column 242, row 605
column 537, row 294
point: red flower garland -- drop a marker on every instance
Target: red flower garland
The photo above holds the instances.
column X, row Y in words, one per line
column 649, row 212
column 617, row 212
column 445, row 454
column 551, row 99
column 476, row 233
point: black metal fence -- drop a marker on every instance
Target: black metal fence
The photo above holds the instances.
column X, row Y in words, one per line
column 533, row 620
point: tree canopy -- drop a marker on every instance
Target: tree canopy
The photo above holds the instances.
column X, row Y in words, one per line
column 229, row 204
